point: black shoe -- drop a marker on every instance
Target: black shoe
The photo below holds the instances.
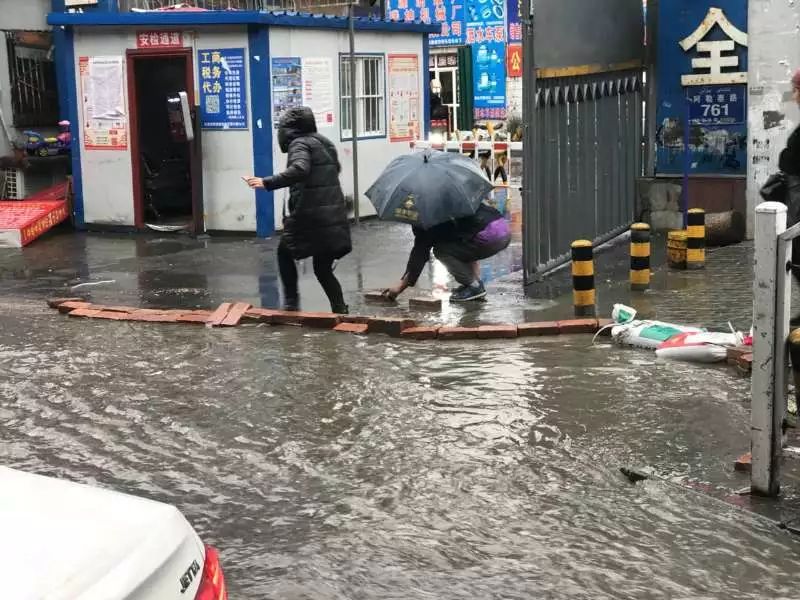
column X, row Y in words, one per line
column 291, row 305
column 476, row 291
column 341, row 309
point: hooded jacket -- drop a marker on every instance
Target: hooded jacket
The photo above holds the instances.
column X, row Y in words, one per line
column 317, row 223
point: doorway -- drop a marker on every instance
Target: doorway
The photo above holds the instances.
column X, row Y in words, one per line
column 445, row 70
column 165, row 194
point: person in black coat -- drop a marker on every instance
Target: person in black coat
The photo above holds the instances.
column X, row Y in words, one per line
column 317, row 224
column 789, row 164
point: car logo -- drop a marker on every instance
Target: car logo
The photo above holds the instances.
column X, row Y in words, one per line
column 188, row 577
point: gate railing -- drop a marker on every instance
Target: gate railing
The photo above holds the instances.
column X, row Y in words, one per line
column 587, row 140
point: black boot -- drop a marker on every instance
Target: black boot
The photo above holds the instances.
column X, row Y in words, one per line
column 292, row 304
column 341, row 309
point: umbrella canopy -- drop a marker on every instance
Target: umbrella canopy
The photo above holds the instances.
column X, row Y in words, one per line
column 428, row 188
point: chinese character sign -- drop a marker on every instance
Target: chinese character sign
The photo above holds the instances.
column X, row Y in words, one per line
column 702, row 66
column 513, row 11
column 223, row 92
column 159, row 39
column 447, row 13
column 486, row 32
column 404, row 103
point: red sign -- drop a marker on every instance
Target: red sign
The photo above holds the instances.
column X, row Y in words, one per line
column 159, row 39
column 514, row 60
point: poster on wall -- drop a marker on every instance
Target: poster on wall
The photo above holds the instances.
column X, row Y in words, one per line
column 287, row 85
column 318, row 89
column 223, row 92
column 486, row 32
column 447, row 13
column 702, row 91
column 105, row 119
column 404, row 104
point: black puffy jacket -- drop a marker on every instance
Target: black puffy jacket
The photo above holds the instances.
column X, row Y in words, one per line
column 317, row 223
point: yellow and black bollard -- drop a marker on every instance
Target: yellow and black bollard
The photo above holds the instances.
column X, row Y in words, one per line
column 583, row 292
column 696, row 239
column 640, row 257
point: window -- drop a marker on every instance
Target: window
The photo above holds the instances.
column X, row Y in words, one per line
column 34, row 98
column 370, row 96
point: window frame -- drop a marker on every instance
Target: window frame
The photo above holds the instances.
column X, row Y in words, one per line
column 346, row 135
column 30, row 62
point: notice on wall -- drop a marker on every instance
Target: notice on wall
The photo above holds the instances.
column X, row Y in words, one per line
column 318, row 92
column 287, row 85
column 404, row 105
column 105, row 119
column 223, row 92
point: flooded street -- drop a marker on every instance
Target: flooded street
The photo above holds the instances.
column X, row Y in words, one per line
column 326, row 466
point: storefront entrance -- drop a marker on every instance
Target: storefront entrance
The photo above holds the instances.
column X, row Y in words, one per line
column 444, row 68
column 164, row 170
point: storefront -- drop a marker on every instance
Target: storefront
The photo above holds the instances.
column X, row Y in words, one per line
column 173, row 108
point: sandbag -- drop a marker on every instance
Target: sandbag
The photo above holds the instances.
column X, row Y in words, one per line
column 725, row 228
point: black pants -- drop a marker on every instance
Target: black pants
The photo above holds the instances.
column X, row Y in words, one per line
column 323, row 269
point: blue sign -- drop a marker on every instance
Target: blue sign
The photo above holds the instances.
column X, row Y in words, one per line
column 514, row 9
column 223, row 91
column 448, row 13
column 690, row 94
column 717, row 105
column 486, row 31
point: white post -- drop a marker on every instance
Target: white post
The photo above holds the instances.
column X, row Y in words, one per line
column 771, row 298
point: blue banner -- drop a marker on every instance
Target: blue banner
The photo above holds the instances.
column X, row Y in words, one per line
column 448, row 13
column 223, row 91
column 486, row 31
column 514, row 9
column 711, row 99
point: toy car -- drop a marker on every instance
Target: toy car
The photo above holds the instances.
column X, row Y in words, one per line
column 38, row 145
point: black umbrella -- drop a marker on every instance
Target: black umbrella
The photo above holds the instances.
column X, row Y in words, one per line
column 429, row 187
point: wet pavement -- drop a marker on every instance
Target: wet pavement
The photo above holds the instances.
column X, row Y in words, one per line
column 328, row 466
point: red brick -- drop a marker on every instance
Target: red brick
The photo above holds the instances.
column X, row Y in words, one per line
column 56, row 302
column 235, row 315
column 542, row 328
column 426, row 302
column 458, row 333
column 378, row 298
column 356, row 328
column 734, row 354
column 604, row 327
column 355, row 319
column 65, row 307
column 319, row 320
column 193, row 317
column 578, row 326
column 744, row 463
column 85, row 312
column 389, row 326
column 497, row 332
column 112, row 315
column 745, row 364
column 261, row 315
column 117, row 309
column 218, row 316
column 420, row 333
column 286, row 317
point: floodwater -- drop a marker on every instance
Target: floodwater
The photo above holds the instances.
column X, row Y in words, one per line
column 326, row 466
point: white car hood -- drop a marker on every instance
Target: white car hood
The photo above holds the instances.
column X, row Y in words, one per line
column 62, row 540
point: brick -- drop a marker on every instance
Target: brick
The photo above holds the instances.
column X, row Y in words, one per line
column 355, row 319
column 497, row 332
column 235, row 315
column 356, row 328
column 319, row 320
column 56, row 302
column 192, row 317
column 286, row 317
column 458, row 333
column 260, row 315
column 426, row 303
column 389, row 326
column 112, row 315
column 734, row 354
column 218, row 316
column 65, row 307
column 744, row 463
column 85, row 312
column 745, row 364
column 378, row 298
column 604, row 327
column 154, row 317
column 578, row 326
column 116, row 309
column 540, row 329
column 420, row 333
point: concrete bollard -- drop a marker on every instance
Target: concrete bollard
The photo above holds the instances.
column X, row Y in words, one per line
column 696, row 239
column 640, row 256
column 583, row 291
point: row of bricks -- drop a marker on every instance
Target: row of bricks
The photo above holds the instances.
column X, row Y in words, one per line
column 230, row 314
column 741, row 358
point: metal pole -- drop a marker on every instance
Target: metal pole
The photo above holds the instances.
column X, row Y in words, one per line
column 771, row 296
column 354, row 113
column 528, row 143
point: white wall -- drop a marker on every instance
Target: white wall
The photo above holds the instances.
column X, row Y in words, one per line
column 373, row 155
column 227, row 155
column 774, row 54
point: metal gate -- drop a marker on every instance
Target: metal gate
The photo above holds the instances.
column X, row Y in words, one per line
column 587, row 156
column 582, row 99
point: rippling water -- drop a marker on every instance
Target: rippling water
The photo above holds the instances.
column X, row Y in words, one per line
column 326, row 466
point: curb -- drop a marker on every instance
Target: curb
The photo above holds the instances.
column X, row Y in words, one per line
column 232, row 314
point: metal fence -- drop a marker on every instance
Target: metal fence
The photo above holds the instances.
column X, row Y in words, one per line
column 34, row 98
column 276, row 5
column 587, row 140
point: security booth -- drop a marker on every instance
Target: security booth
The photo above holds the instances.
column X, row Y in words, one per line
column 173, row 107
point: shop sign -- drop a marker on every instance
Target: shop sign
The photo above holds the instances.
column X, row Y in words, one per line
column 159, row 39
column 514, row 60
column 447, row 13
column 486, row 32
column 223, row 94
